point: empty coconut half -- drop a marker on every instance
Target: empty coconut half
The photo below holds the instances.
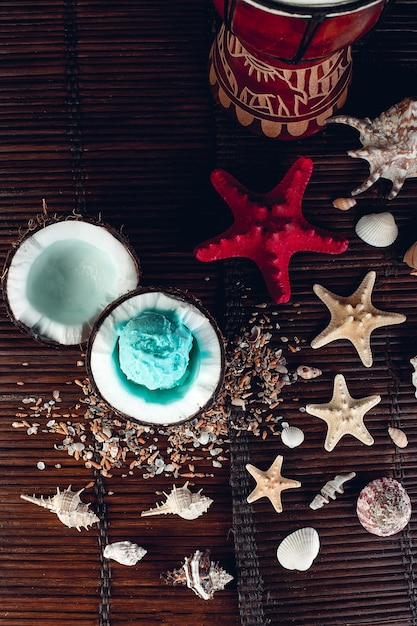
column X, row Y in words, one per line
column 63, row 274
column 156, row 356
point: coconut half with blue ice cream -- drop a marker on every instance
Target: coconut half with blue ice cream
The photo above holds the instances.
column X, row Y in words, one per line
column 156, row 355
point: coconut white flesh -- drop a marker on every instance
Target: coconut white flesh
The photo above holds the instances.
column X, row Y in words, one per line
column 64, row 275
column 164, row 407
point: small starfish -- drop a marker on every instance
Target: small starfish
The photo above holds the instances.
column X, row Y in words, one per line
column 269, row 228
column 354, row 318
column 271, row 483
column 344, row 414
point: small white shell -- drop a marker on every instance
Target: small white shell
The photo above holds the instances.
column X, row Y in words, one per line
column 410, row 258
column 413, row 362
column 344, row 204
column 124, row 552
column 307, row 372
column 398, row 436
column 68, row 507
column 291, row 436
column 377, row 229
column 299, row 549
column 181, row 501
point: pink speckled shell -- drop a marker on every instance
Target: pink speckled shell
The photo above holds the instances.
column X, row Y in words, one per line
column 384, row 507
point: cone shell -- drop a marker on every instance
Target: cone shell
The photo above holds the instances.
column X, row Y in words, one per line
column 410, row 258
column 377, row 229
column 299, row 549
column 398, row 436
column 291, row 436
column 383, row 507
column 344, row 204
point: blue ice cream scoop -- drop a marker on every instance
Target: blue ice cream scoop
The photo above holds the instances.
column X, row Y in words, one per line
column 154, row 351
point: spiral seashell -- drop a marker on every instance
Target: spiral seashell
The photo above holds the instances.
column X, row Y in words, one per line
column 330, row 489
column 306, row 372
column 182, row 502
column 410, row 258
column 344, row 204
column 291, row 436
column 299, row 549
column 68, row 507
column 199, row 574
column 377, row 229
column 398, row 436
column 124, row 552
column 383, row 507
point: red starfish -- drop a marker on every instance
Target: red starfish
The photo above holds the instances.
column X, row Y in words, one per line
column 269, row 228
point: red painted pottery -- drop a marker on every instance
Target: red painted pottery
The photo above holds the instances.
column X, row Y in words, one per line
column 282, row 69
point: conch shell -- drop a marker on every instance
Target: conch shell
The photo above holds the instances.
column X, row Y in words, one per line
column 410, row 258
column 377, row 229
column 68, row 507
column 124, row 552
column 329, row 490
column 299, row 549
column 182, row 502
column 200, row 574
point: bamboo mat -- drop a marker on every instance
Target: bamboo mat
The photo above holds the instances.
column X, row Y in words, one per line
column 105, row 110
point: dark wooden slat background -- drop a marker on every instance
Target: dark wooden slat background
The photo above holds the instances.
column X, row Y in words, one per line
column 105, row 108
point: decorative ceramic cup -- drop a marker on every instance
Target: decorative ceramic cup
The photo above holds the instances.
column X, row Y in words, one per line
column 282, row 68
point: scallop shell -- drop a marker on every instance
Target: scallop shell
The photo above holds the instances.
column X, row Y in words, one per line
column 383, row 507
column 291, row 436
column 68, row 507
column 344, row 204
column 398, row 436
column 181, row 501
column 307, row 372
column 410, row 258
column 377, row 229
column 124, row 552
column 299, row 549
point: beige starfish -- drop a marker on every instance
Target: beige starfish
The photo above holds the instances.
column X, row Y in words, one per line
column 344, row 414
column 354, row 318
column 271, row 483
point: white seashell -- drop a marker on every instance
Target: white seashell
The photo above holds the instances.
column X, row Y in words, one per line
column 182, row 502
column 410, row 258
column 344, row 204
column 329, row 490
column 124, row 552
column 377, row 229
column 299, row 549
column 68, row 507
column 200, row 574
column 398, row 436
column 388, row 144
column 291, row 436
column 306, row 372
column 413, row 362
